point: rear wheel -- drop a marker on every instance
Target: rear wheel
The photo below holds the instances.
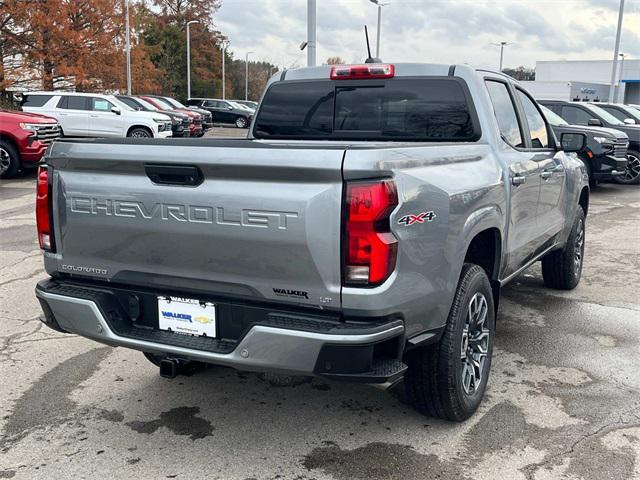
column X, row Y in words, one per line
column 241, row 122
column 9, row 160
column 139, row 132
column 448, row 379
column 632, row 170
column 562, row 269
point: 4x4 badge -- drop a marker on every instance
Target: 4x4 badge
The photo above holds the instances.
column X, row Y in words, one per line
column 419, row 218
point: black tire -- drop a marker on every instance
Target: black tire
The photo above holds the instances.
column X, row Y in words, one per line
column 241, row 122
column 562, row 269
column 434, row 380
column 632, row 170
column 140, row 132
column 9, row 160
column 189, row 369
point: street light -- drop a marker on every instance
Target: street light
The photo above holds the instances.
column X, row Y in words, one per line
column 225, row 45
column 616, row 51
column 246, row 76
column 380, row 5
column 128, row 46
column 189, row 58
column 311, row 34
column 620, row 99
column 501, row 45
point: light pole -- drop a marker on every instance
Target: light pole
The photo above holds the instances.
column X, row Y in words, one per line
column 380, row 5
column 311, row 33
column 616, row 50
column 225, row 44
column 189, row 58
column 620, row 97
column 501, row 45
column 246, row 76
column 128, row 46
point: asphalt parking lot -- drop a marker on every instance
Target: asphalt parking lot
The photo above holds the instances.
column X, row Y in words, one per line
column 563, row 399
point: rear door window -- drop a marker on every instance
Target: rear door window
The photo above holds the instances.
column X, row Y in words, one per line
column 409, row 109
column 72, row 102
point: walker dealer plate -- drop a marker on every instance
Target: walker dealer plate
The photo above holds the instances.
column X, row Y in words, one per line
column 187, row 316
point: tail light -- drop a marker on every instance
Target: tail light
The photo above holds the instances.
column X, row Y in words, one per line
column 368, row 70
column 370, row 247
column 43, row 210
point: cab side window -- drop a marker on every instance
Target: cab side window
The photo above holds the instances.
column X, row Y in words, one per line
column 576, row 115
column 538, row 133
column 505, row 113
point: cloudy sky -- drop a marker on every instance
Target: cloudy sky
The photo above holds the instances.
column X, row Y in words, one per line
column 441, row 31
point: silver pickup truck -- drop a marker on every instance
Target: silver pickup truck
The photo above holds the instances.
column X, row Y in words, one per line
column 362, row 232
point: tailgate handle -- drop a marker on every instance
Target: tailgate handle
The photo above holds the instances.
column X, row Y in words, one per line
column 181, row 175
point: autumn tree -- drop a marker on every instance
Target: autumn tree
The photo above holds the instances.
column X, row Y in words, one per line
column 335, row 61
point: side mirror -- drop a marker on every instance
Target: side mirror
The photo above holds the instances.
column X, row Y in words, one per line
column 573, row 142
column 230, row 107
column 116, row 110
column 594, row 122
column 629, row 121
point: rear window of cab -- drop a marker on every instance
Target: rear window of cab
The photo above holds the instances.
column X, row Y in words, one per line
column 429, row 109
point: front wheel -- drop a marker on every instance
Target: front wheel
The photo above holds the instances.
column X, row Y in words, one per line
column 448, row 379
column 139, row 132
column 562, row 269
column 632, row 170
column 241, row 122
column 9, row 160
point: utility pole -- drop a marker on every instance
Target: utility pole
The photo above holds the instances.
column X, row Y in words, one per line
column 189, row 58
column 128, row 46
column 246, row 76
column 225, row 44
column 311, row 33
column 616, row 50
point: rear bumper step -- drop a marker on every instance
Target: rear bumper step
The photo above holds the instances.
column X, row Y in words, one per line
column 281, row 343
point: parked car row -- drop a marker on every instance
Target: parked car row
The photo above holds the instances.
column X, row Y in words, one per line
column 603, row 122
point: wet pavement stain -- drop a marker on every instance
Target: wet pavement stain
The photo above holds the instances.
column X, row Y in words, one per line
column 180, row 420
column 380, row 460
column 47, row 403
column 7, row 473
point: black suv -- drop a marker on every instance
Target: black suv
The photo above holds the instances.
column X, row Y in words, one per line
column 588, row 114
column 624, row 113
column 605, row 152
column 224, row 111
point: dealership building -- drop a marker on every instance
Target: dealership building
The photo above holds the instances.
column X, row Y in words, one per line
column 586, row 81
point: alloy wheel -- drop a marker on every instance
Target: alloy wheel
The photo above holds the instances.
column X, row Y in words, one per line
column 140, row 134
column 475, row 344
column 632, row 170
column 241, row 122
column 579, row 247
column 5, row 160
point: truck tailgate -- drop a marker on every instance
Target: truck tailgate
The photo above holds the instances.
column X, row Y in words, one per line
column 263, row 222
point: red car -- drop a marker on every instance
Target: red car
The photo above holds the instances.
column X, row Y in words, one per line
column 24, row 137
column 195, row 127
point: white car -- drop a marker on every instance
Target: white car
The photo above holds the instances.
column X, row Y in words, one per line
column 96, row 115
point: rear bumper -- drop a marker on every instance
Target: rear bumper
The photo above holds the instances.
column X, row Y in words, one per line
column 296, row 345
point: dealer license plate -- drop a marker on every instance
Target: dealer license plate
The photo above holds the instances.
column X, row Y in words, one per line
column 187, row 316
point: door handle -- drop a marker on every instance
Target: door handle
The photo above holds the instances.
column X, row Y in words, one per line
column 546, row 174
column 94, row 116
column 182, row 175
column 518, row 179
